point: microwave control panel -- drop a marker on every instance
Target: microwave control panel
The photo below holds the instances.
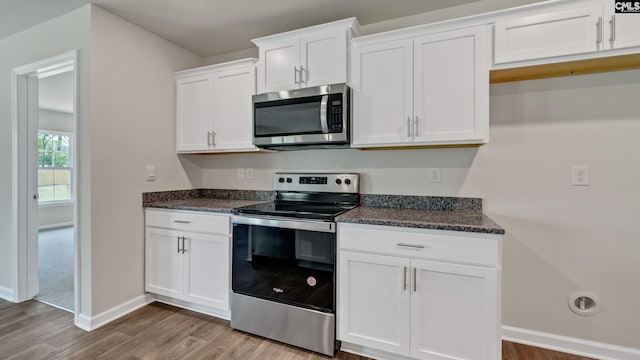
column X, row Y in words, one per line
column 335, row 114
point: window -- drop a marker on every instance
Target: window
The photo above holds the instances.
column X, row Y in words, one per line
column 54, row 167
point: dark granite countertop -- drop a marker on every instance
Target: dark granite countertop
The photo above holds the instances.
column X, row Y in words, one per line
column 211, row 200
column 203, row 204
column 457, row 220
column 427, row 212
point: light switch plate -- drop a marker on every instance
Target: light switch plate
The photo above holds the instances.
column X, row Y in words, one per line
column 151, row 173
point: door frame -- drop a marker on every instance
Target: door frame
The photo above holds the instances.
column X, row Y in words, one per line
column 24, row 221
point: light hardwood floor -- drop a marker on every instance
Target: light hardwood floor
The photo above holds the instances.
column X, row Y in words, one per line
column 32, row 330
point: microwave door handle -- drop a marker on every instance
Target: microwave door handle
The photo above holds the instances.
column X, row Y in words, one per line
column 323, row 114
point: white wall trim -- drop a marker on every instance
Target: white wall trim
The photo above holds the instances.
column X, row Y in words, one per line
column 24, row 243
column 56, row 226
column 569, row 345
column 89, row 323
column 7, row 294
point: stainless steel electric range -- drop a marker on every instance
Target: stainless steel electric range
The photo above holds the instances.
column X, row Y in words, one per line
column 284, row 260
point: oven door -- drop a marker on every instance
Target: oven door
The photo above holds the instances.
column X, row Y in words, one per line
column 284, row 260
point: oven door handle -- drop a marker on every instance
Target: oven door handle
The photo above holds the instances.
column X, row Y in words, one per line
column 272, row 221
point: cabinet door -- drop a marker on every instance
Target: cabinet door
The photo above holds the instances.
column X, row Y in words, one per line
column 547, row 34
column 374, row 301
column 622, row 30
column 454, row 311
column 206, row 271
column 278, row 65
column 194, row 118
column 324, row 58
column 232, row 109
column 451, row 93
column 382, row 79
column 163, row 262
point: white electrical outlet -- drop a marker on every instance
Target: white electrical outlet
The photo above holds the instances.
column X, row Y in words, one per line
column 248, row 173
column 434, row 175
column 240, row 174
column 580, row 175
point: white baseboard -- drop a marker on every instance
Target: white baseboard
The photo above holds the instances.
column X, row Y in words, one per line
column 370, row 353
column 7, row 294
column 222, row 314
column 88, row 323
column 569, row 345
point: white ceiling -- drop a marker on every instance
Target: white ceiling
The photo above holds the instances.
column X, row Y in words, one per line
column 214, row 27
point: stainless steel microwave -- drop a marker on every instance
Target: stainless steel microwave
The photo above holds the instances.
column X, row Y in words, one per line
column 314, row 117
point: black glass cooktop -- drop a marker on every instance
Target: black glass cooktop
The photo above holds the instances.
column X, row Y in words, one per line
column 296, row 210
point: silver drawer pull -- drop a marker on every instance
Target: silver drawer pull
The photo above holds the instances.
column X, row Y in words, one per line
column 182, row 221
column 404, row 280
column 414, row 246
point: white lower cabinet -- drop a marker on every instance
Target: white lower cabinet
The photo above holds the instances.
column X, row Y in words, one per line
column 400, row 293
column 186, row 265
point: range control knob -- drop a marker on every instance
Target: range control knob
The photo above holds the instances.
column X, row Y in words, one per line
column 281, row 180
column 347, row 181
column 289, row 180
column 338, row 181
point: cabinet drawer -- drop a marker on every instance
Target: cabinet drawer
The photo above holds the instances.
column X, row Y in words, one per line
column 189, row 221
column 449, row 246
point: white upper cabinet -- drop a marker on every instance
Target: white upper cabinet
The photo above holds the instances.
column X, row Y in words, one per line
column 382, row 80
column 451, row 87
column 194, row 118
column 571, row 29
column 425, row 89
column 214, row 109
column 623, row 29
column 307, row 57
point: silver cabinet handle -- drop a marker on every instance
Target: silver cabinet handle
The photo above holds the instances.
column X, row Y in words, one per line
column 599, row 30
column 184, row 250
column 404, row 280
column 612, row 22
column 182, row 221
column 408, row 126
column 302, row 71
column 213, row 138
column 178, row 242
column 295, row 75
column 416, row 133
column 209, row 138
column 414, row 246
column 415, row 281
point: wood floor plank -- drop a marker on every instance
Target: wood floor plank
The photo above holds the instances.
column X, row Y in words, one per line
column 37, row 352
column 34, row 330
column 96, row 349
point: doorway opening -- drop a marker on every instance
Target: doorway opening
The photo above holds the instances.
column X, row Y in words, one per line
column 44, row 182
column 55, row 188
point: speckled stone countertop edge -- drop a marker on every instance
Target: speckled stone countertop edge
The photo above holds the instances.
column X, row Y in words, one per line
column 417, row 202
column 453, row 208
column 157, row 197
column 426, row 225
